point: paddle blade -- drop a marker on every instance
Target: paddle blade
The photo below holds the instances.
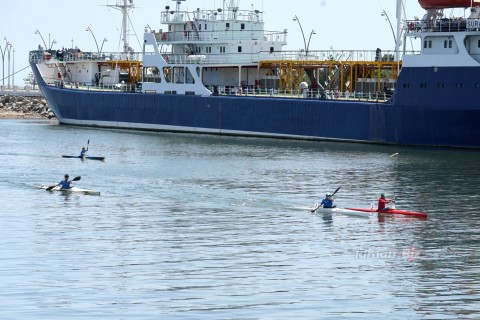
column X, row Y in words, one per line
column 336, row 190
column 50, row 188
column 76, row 178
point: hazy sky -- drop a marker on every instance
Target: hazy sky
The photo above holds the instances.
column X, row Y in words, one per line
column 341, row 24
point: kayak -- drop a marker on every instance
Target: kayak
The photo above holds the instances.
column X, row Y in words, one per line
column 73, row 190
column 344, row 211
column 393, row 211
column 87, row 157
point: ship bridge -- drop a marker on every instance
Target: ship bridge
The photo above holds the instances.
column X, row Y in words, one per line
column 345, row 70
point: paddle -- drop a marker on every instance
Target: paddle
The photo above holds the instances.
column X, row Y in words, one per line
column 318, row 206
column 74, row 179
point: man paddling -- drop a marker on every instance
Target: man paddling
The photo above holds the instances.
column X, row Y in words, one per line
column 83, row 153
column 65, row 184
column 382, row 203
column 328, row 201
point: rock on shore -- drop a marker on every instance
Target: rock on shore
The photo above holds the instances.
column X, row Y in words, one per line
column 24, row 107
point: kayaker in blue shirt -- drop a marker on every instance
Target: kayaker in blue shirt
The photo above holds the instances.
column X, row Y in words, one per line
column 327, row 202
column 65, row 184
column 83, row 153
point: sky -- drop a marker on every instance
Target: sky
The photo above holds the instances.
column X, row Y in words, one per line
column 338, row 24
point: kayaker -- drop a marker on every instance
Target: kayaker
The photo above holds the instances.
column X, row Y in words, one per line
column 65, row 184
column 382, row 203
column 328, row 201
column 83, row 152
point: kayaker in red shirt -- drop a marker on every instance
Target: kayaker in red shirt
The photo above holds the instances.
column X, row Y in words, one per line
column 382, row 202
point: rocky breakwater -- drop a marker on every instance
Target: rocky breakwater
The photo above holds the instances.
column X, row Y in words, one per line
column 12, row 106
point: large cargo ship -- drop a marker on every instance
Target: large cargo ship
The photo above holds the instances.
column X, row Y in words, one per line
column 219, row 72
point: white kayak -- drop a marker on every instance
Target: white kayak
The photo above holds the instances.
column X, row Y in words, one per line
column 343, row 211
column 73, row 190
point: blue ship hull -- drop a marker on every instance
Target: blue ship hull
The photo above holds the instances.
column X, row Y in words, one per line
column 429, row 108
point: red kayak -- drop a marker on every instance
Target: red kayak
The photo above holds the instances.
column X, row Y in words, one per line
column 393, row 211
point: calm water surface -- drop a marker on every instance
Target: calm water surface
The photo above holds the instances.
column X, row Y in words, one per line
column 206, row 227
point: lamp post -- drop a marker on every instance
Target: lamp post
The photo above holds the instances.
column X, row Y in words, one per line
column 51, row 43
column 309, row 38
column 3, row 52
column 295, row 18
column 306, row 46
column 96, row 43
column 101, row 47
column 6, row 52
column 10, row 47
column 38, row 32
column 13, row 67
column 384, row 14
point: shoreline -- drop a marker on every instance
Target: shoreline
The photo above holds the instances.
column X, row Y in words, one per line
column 24, row 107
column 20, row 115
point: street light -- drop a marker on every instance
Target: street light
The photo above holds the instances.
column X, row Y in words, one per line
column 306, row 46
column 309, row 38
column 8, row 47
column 384, row 14
column 38, row 32
column 295, row 18
column 3, row 51
column 96, row 43
column 52, row 43
column 13, row 67
column 101, row 48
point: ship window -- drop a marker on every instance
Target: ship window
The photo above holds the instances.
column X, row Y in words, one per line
column 227, row 25
column 427, row 44
column 239, row 48
column 178, row 74
column 242, row 26
column 151, row 74
column 199, row 27
column 167, row 73
column 271, row 49
column 205, row 26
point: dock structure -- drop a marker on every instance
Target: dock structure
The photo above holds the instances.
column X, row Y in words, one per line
column 345, row 71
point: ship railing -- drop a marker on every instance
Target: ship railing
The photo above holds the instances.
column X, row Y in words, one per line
column 301, row 94
column 215, row 59
column 338, row 55
column 172, row 17
column 70, row 56
column 280, row 56
column 193, row 36
column 442, row 25
column 119, row 87
column 320, row 94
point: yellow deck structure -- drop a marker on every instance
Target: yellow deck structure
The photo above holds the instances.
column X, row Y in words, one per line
column 333, row 70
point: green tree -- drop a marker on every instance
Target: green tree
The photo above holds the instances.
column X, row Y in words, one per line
column 30, row 79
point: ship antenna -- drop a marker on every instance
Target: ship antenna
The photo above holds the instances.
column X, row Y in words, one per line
column 124, row 6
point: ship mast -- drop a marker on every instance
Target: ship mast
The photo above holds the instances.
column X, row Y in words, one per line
column 124, row 6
